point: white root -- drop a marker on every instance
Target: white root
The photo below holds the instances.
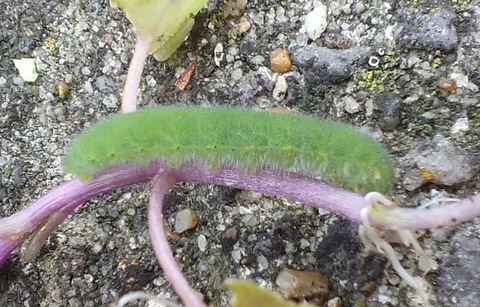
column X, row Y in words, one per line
column 138, row 295
column 372, row 239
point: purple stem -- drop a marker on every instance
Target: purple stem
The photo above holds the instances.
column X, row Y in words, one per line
column 134, row 75
column 162, row 184
column 70, row 195
column 7, row 247
column 294, row 187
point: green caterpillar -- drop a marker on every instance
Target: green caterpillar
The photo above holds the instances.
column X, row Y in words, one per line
column 333, row 152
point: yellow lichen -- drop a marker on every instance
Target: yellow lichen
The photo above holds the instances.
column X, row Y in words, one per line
column 50, row 44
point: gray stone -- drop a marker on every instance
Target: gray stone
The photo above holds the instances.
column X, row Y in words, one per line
column 388, row 104
column 324, row 66
column 258, row 83
column 440, row 162
column 460, row 268
column 431, row 31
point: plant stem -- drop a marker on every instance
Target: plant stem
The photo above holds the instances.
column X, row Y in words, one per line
column 134, row 75
column 41, row 234
column 70, row 195
column 161, row 185
column 294, row 187
column 7, row 247
column 430, row 217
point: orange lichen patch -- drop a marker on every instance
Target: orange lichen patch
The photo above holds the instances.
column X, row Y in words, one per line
column 419, row 176
column 447, row 85
column 427, row 174
column 186, row 76
column 280, row 61
column 302, row 284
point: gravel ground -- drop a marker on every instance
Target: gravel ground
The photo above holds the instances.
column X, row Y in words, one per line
column 381, row 72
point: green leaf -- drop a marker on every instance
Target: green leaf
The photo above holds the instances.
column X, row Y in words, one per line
column 167, row 21
column 249, row 294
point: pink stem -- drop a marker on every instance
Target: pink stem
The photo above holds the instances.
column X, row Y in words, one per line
column 41, row 234
column 294, row 187
column 134, row 75
column 70, row 195
column 161, row 185
column 430, row 217
column 7, row 247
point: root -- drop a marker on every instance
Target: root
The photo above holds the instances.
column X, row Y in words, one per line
column 135, row 296
column 372, row 238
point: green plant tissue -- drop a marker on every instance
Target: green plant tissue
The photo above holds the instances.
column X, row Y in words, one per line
column 27, row 69
column 167, row 21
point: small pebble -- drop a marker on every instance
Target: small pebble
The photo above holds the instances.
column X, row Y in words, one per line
column 110, row 101
column 461, row 125
column 280, row 89
column 86, row 71
column 301, row 284
column 63, row 89
column 302, row 40
column 258, row 60
column 59, row 113
column 18, row 81
column 202, row 243
column 359, row 8
column 88, row 87
column 351, row 105
column 280, row 15
column 280, row 61
column 236, row 74
column 97, row 248
column 447, row 85
column 218, row 54
column 104, row 83
column 249, row 220
column 461, row 80
column 185, row 220
column 242, row 27
column 389, row 104
column 235, row 9
column 439, row 162
column 334, row 302
column 316, row 22
column 228, row 239
column 151, row 82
